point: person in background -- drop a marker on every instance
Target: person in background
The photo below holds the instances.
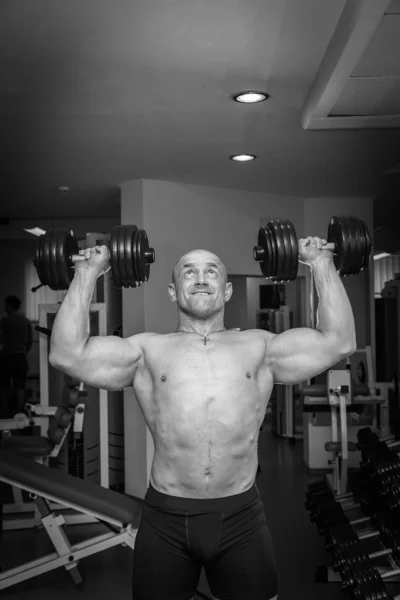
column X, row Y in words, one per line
column 16, row 338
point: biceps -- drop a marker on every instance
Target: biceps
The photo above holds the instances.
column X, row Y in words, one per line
column 300, row 354
column 106, row 362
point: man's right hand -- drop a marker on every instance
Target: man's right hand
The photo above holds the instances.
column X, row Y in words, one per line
column 97, row 260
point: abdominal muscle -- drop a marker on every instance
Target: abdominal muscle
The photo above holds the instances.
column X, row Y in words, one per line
column 204, row 416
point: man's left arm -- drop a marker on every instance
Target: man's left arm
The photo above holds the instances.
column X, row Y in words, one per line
column 299, row 354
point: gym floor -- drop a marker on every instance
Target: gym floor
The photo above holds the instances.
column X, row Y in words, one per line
column 282, row 484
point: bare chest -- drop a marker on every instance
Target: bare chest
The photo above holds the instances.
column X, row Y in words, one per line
column 194, row 389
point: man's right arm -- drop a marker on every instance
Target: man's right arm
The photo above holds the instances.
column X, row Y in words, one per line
column 107, row 362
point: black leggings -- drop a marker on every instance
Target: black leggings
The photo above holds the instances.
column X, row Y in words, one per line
column 227, row 536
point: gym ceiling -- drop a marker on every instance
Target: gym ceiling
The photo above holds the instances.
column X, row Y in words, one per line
column 97, row 92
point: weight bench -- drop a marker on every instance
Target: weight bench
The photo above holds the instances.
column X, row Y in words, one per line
column 115, row 510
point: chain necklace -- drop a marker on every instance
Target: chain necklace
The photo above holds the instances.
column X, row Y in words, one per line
column 203, row 335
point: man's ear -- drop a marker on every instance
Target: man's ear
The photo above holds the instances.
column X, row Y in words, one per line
column 172, row 292
column 228, row 291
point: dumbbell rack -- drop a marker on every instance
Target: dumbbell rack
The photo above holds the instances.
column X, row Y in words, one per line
column 375, row 494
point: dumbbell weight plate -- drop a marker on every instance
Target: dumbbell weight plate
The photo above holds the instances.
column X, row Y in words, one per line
column 358, row 258
column 53, row 258
column 368, row 244
column 135, row 265
column 287, row 253
column 47, row 260
column 278, row 247
column 51, row 252
column 122, row 243
column 67, row 246
column 295, row 250
column 114, row 242
column 338, row 235
column 263, row 251
column 147, row 256
column 136, row 261
column 361, row 242
column 124, row 247
column 292, row 252
column 351, row 258
column 130, row 255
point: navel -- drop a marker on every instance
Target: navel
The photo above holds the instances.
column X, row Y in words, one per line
column 163, row 378
column 248, row 375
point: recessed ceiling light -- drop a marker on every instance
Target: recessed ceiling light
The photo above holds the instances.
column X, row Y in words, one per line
column 243, row 157
column 35, row 231
column 251, row 97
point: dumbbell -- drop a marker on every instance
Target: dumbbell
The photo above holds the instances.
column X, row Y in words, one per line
column 277, row 248
column 386, row 526
column 324, row 498
column 353, row 558
column 334, row 515
column 371, row 576
column 343, row 553
column 345, row 536
column 57, row 252
column 381, row 467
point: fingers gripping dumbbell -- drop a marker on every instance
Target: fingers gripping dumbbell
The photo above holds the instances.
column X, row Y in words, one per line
column 57, row 252
column 277, row 249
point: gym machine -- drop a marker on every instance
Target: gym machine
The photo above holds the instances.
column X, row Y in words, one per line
column 58, row 423
column 328, row 447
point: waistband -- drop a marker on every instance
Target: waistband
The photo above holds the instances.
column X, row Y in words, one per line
column 166, row 502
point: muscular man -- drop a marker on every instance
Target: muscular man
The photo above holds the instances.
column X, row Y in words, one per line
column 16, row 337
column 203, row 391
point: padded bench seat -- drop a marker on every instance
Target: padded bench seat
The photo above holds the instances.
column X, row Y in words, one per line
column 27, row 445
column 62, row 486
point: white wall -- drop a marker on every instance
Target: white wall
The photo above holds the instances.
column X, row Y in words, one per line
column 236, row 314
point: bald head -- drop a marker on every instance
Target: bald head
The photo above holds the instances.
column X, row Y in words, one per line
column 191, row 258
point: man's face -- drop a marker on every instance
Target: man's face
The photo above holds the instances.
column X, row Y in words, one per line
column 7, row 308
column 200, row 287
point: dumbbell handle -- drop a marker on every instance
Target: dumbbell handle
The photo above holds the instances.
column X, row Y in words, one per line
column 390, row 574
column 79, row 257
column 381, row 553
